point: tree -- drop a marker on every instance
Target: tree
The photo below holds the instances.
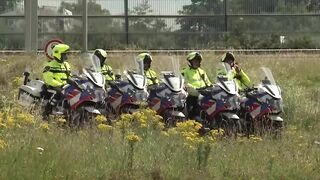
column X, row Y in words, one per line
column 101, row 31
column 6, row 5
column 195, row 31
column 7, row 25
column 248, row 31
column 148, row 32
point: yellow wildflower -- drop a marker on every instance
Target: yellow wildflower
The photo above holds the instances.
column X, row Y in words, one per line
column 126, row 117
column 104, row 127
column 158, row 118
column 143, row 125
column 11, row 122
column 149, row 112
column 255, row 138
column 133, row 137
column 25, row 118
column 160, row 125
column 45, row 127
column 101, row 119
column 199, row 140
column 212, row 140
column 188, row 138
column 188, row 126
column 215, row 133
column 61, row 121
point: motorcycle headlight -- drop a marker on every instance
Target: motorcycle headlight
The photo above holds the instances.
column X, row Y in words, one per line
column 234, row 101
column 141, row 95
column 178, row 99
column 276, row 105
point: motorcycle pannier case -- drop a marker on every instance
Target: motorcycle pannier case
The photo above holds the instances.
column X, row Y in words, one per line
column 30, row 92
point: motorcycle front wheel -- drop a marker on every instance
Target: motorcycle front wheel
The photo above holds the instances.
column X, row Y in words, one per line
column 80, row 117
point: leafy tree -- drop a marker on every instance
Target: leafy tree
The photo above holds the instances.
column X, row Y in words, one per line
column 246, row 31
column 9, row 41
column 313, row 5
column 195, row 31
column 100, row 30
column 6, row 5
column 142, row 30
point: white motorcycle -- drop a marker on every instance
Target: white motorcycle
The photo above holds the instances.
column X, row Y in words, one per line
column 81, row 96
column 262, row 106
column 219, row 104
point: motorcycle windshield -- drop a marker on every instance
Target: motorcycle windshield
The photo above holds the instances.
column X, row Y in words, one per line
column 267, row 77
column 225, row 78
column 90, row 62
column 91, row 68
column 95, row 62
column 138, row 80
column 224, row 70
column 139, row 67
column 172, row 77
column 268, row 83
column 135, row 74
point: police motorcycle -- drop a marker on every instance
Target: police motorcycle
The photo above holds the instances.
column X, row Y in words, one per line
column 219, row 104
column 81, row 94
column 169, row 97
column 262, row 105
column 128, row 93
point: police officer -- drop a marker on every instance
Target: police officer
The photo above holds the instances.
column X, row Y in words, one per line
column 55, row 75
column 237, row 73
column 196, row 78
column 150, row 74
column 105, row 69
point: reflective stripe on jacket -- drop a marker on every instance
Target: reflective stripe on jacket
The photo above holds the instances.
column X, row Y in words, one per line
column 55, row 74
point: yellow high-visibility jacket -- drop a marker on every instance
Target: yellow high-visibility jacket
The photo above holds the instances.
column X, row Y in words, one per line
column 152, row 78
column 107, row 72
column 196, row 78
column 55, row 74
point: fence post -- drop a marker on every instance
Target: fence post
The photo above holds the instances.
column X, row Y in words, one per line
column 31, row 27
column 126, row 13
column 84, row 26
column 225, row 16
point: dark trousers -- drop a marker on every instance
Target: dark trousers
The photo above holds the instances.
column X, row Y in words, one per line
column 192, row 106
column 53, row 100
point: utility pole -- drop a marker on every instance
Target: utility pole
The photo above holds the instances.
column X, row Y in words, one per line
column 31, row 27
column 84, row 26
column 126, row 13
column 225, row 16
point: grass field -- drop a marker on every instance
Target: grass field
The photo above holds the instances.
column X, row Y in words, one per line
column 33, row 149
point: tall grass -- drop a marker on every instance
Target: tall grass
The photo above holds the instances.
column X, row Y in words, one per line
column 48, row 151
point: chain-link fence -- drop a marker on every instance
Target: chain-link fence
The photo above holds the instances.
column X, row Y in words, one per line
column 160, row 24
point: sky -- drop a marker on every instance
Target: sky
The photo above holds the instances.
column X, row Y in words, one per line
column 116, row 7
